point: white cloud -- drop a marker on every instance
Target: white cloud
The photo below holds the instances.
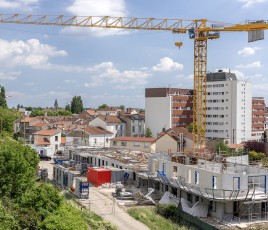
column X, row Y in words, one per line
column 30, row 53
column 249, row 3
column 256, row 64
column 18, row 4
column 166, row 65
column 106, row 72
column 9, row 76
column 95, row 8
column 248, row 51
column 69, row 81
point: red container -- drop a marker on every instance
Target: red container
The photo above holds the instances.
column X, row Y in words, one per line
column 98, row 175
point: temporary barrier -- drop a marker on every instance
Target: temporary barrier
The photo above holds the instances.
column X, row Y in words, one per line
column 98, row 175
column 81, row 187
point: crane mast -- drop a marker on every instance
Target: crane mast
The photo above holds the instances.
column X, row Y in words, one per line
column 199, row 30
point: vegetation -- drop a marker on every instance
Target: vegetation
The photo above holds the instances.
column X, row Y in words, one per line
column 96, row 222
column 255, row 146
column 3, row 102
column 190, row 127
column 66, row 217
column 148, row 133
column 77, row 105
column 18, row 164
column 42, row 112
column 157, row 218
column 221, row 147
column 255, row 156
column 7, row 118
column 103, row 106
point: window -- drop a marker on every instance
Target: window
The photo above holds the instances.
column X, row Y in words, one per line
column 107, row 140
column 56, row 138
column 189, row 197
column 214, row 182
column 95, row 140
column 146, row 145
column 212, row 206
column 196, row 180
column 114, row 143
column 136, row 144
column 133, row 129
column 123, row 143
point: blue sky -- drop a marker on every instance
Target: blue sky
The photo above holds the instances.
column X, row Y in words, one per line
column 42, row 63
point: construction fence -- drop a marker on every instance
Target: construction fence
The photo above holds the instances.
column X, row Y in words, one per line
column 193, row 222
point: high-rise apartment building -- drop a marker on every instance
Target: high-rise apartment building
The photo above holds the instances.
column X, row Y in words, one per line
column 258, row 118
column 229, row 107
column 166, row 108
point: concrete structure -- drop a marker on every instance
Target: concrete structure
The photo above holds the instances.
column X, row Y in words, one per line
column 232, row 192
column 95, row 137
column 143, row 144
column 166, row 108
column 229, row 107
column 258, row 119
column 111, row 123
column 135, row 124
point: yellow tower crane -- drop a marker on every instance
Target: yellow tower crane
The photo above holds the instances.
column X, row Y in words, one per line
column 199, row 30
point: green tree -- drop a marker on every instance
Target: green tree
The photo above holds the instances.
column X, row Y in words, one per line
column 103, row 106
column 221, row 147
column 7, row 219
column 66, row 217
column 77, row 105
column 18, row 164
column 37, row 112
column 122, row 107
column 3, row 102
column 42, row 198
column 7, row 118
column 68, row 107
column 148, row 133
column 190, row 128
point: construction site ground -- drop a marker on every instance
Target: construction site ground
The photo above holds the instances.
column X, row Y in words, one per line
column 102, row 203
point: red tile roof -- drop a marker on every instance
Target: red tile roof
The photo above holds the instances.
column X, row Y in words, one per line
column 140, row 139
column 40, row 124
column 91, row 112
column 111, row 119
column 41, row 141
column 47, row 132
column 96, row 130
column 28, row 119
column 177, row 130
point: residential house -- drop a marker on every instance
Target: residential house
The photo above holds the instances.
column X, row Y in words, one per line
column 92, row 136
column 47, row 138
column 143, row 144
column 111, row 123
column 135, row 124
column 175, row 140
column 109, row 111
column 25, row 131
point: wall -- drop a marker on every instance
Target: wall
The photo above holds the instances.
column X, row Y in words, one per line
column 166, row 144
column 158, row 114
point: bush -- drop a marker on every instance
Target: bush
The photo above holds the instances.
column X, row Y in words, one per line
column 65, row 218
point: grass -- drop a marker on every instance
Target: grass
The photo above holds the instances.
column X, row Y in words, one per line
column 152, row 220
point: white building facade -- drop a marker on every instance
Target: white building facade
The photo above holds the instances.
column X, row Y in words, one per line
column 229, row 107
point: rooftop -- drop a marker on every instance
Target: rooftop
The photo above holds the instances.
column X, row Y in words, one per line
column 47, row 132
column 139, row 139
